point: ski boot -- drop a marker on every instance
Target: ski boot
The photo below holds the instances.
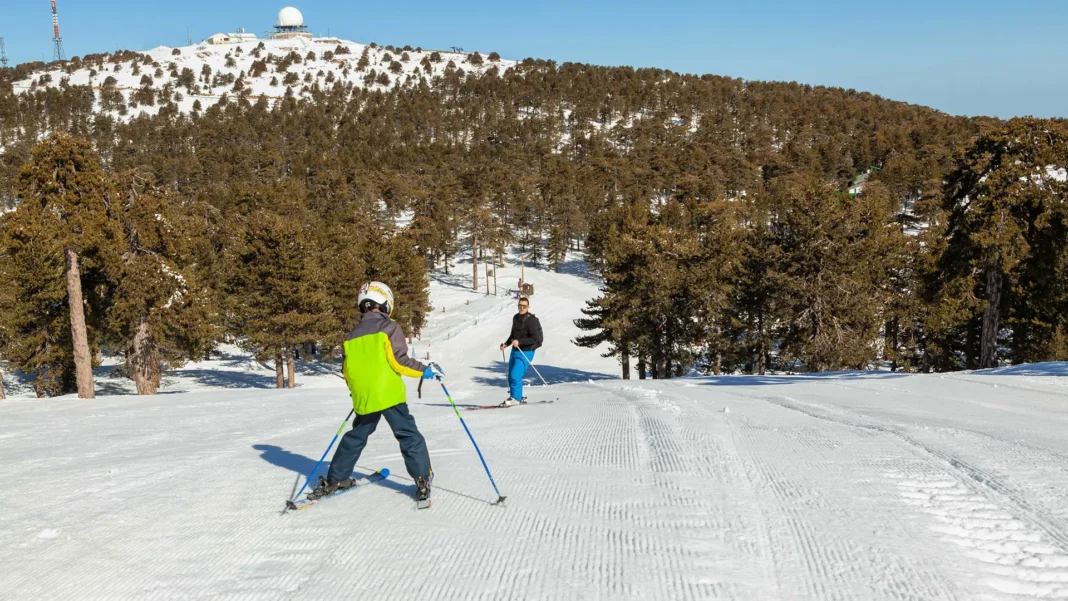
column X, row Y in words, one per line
column 422, row 487
column 509, row 402
column 329, row 486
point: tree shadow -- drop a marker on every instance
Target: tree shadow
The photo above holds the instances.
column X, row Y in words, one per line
column 1049, row 368
column 226, row 379
column 779, row 380
column 453, row 280
column 551, row 373
column 581, row 269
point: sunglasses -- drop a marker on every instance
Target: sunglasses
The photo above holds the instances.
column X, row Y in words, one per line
column 522, row 305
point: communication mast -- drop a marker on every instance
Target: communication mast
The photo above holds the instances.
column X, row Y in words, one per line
column 57, row 42
column 3, row 54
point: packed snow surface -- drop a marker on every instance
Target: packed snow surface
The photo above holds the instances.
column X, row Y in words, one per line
column 838, row 486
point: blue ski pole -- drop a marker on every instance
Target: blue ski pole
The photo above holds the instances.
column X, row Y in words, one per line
column 500, row 497
column 524, row 356
column 290, row 504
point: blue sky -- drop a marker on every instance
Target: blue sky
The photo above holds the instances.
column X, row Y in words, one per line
column 978, row 57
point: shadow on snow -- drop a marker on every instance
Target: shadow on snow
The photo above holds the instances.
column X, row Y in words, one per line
column 581, row 269
column 551, row 373
column 303, row 466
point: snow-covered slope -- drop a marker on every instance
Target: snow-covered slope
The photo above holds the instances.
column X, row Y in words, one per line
column 335, row 61
column 844, row 486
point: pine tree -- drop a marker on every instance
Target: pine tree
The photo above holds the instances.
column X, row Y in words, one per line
column 65, row 191
column 279, row 285
column 1006, row 213
column 161, row 309
column 836, row 254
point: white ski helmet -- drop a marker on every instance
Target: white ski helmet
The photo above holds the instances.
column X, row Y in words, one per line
column 375, row 295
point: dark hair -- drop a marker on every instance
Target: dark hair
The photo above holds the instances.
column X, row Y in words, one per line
column 523, row 298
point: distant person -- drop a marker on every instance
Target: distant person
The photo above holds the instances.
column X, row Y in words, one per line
column 375, row 358
column 526, row 337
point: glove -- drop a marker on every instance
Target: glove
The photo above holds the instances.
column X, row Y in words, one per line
column 432, row 371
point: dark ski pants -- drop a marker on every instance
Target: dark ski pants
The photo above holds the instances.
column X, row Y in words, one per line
column 412, row 444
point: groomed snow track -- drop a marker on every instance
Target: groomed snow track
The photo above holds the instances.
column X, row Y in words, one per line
column 843, row 486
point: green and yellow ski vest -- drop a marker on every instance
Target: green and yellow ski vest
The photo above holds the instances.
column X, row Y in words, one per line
column 376, row 356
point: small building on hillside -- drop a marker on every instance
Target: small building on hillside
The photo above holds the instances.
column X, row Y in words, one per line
column 858, row 184
column 230, row 38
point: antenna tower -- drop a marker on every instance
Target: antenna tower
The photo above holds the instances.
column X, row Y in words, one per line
column 57, row 42
column 3, row 54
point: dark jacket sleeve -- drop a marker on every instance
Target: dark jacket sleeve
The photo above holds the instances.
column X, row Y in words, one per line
column 400, row 350
column 534, row 335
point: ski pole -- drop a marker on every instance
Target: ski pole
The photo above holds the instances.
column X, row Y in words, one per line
column 290, row 504
column 524, row 356
column 500, row 497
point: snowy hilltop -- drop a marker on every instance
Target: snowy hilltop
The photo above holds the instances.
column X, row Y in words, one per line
column 130, row 84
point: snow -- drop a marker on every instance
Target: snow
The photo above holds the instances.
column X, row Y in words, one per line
column 852, row 485
column 215, row 56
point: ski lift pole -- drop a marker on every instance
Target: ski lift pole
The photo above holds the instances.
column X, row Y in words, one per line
column 290, row 503
column 500, row 497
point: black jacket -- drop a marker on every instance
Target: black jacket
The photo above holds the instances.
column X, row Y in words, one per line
column 527, row 330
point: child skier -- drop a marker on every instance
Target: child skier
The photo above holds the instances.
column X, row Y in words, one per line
column 375, row 358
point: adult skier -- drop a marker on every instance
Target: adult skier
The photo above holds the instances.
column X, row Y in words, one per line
column 375, row 358
column 525, row 338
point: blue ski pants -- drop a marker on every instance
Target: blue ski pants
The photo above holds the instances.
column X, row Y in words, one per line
column 412, row 443
column 517, row 368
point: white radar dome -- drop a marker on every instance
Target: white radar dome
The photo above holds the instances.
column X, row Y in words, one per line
column 290, row 17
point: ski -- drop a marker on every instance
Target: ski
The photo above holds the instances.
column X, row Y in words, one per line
column 479, row 407
column 378, row 476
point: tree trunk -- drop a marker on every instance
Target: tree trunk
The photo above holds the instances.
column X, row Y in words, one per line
column 641, row 367
column 761, row 364
column 625, row 359
column 2, row 395
column 83, row 361
column 474, row 264
column 292, row 366
column 38, row 383
column 988, row 351
column 279, row 371
column 142, row 360
column 893, row 329
column 656, row 358
column 717, row 367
